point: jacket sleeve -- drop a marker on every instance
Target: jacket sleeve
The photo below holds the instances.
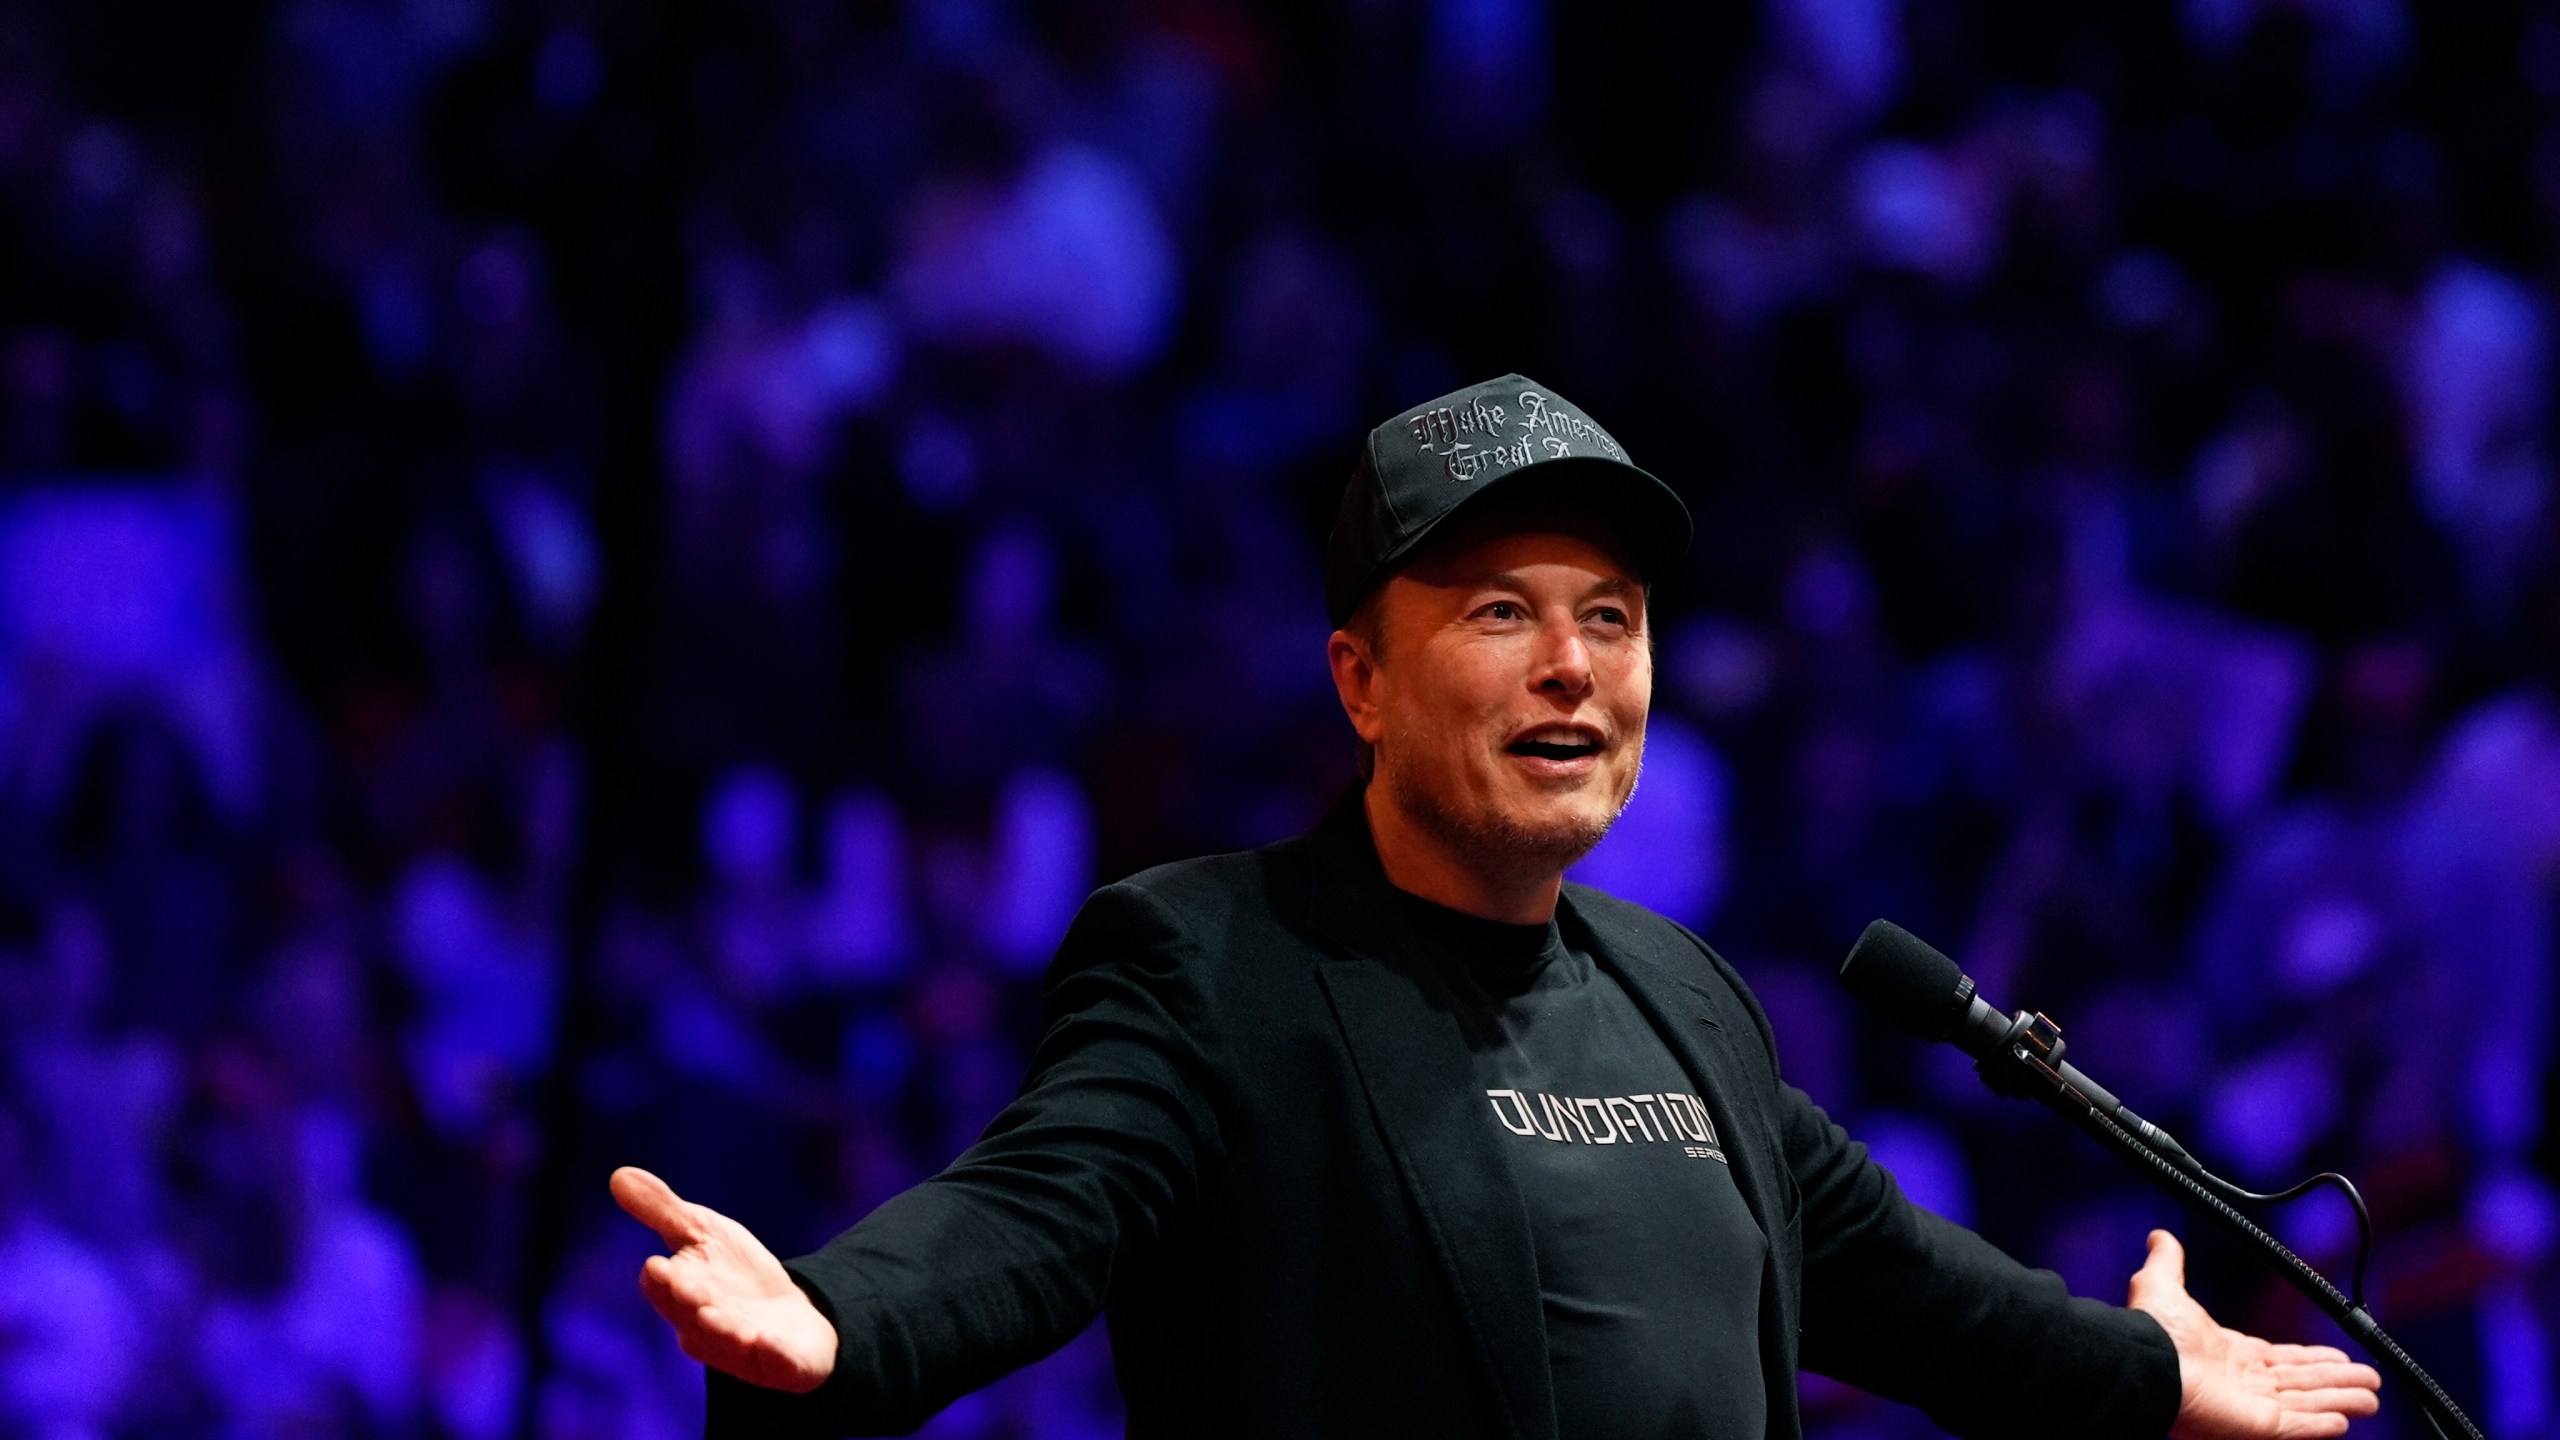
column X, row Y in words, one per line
column 1010, row 1252
column 1903, row 1303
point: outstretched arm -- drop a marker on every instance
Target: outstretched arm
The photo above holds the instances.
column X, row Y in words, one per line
column 1001, row 1258
column 2239, row 1387
column 733, row 1306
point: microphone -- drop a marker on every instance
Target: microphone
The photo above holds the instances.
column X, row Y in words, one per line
column 1918, row 989
column 1915, row 987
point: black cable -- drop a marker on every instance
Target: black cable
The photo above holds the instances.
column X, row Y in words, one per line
column 2034, row 1047
column 2350, row 1314
column 2026, row 1062
column 2364, row 1217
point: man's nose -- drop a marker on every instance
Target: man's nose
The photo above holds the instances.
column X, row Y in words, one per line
column 1564, row 658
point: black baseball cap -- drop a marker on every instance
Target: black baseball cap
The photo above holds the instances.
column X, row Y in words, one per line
column 1506, row 435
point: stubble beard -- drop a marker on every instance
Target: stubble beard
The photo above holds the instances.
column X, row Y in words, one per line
column 1499, row 846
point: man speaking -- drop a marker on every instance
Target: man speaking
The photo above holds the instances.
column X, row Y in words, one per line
column 1387, row 1131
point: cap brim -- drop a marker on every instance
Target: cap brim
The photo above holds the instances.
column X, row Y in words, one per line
column 1651, row 520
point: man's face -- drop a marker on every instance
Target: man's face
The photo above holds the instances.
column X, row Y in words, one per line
column 1504, row 686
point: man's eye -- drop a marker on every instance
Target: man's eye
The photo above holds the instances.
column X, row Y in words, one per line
column 1502, row 610
column 1607, row 615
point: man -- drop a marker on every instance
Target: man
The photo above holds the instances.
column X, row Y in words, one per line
column 1386, row 1130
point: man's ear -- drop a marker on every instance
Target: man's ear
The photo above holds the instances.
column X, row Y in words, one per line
column 1355, row 680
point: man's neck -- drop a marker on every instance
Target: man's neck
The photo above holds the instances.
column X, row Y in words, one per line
column 1419, row 862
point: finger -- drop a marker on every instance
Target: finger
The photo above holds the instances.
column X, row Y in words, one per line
column 2328, row 1375
column 658, row 1288
column 703, row 1332
column 2163, row 1272
column 2305, row 1354
column 682, row 1284
column 653, row 1203
column 726, row 1342
column 718, row 1324
column 2293, row 1426
column 741, row 1348
column 660, row 1273
column 685, row 1278
column 2340, row 1401
column 695, row 1348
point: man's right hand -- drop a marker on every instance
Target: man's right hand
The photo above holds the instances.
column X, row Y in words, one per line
column 733, row 1305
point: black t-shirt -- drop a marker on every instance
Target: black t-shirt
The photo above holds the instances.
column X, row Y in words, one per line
column 1648, row 1263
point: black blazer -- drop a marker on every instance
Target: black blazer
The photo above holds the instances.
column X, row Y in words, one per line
column 1253, row 1134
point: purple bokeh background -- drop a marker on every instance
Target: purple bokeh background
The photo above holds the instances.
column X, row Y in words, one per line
column 592, row 582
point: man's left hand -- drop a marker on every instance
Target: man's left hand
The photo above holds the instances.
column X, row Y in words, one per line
column 2238, row 1385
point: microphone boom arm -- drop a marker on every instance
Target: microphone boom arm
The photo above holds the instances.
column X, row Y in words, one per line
column 2026, row 1063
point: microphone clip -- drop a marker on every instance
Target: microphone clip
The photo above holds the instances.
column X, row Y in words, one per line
column 2025, row 1063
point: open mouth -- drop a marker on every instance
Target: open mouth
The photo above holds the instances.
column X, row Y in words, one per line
column 1555, row 748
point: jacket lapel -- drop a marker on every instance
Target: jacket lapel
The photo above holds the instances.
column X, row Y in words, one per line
column 1397, row 1022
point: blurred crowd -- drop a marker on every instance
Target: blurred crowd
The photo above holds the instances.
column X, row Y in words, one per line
column 592, row 581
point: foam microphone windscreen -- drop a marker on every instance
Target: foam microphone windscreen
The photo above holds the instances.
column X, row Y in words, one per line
column 1903, row 978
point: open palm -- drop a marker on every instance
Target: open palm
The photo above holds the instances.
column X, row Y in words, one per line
column 732, row 1304
column 2238, row 1385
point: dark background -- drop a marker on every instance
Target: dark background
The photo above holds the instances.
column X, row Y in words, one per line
column 587, row 583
